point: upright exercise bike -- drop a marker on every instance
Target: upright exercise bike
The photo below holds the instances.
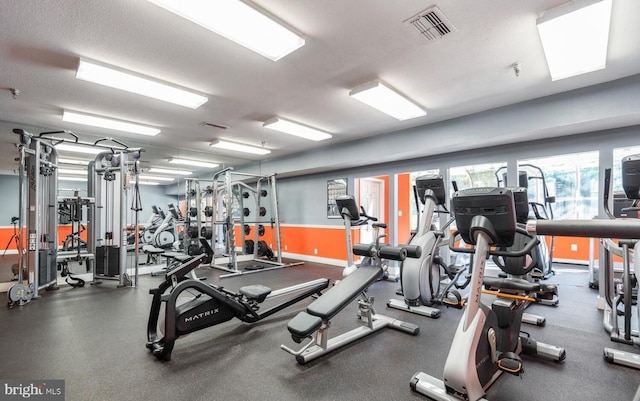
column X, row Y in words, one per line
column 488, row 340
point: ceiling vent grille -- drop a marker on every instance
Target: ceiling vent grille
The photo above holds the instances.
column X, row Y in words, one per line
column 431, row 24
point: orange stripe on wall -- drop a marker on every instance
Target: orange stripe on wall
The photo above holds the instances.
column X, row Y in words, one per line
column 404, row 208
column 312, row 241
column 7, row 232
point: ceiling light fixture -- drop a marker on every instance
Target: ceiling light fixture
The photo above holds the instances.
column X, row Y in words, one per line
column 382, row 97
column 66, row 147
column 291, row 128
column 131, row 82
column 169, row 172
column 71, row 171
column 575, row 36
column 103, row 122
column 155, row 177
column 239, row 22
column 77, row 162
column 238, row 147
column 148, row 183
column 195, row 163
column 80, row 179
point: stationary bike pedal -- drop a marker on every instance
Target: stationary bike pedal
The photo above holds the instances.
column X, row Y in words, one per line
column 511, row 363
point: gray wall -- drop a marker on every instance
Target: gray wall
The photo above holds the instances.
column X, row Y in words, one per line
column 303, row 198
column 600, row 117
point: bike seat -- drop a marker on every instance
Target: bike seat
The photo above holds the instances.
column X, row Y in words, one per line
column 379, row 225
column 257, row 292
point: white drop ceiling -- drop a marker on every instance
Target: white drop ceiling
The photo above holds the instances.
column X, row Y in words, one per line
column 347, row 44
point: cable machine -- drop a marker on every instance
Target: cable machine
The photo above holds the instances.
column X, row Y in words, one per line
column 37, row 199
column 113, row 178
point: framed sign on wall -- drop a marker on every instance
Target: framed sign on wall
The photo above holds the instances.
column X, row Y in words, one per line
column 335, row 188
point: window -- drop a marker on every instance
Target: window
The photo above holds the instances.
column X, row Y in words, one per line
column 572, row 179
column 478, row 175
column 618, row 155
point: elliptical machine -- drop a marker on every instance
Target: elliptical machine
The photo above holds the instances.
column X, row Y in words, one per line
column 421, row 277
column 620, row 297
column 488, row 340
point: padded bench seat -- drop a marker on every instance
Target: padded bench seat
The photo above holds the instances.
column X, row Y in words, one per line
column 341, row 294
column 258, row 292
column 333, row 301
column 179, row 256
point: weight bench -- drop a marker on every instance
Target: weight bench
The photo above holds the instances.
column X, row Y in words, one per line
column 152, row 254
column 319, row 313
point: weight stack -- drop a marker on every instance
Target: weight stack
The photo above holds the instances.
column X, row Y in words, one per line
column 108, row 260
column 47, row 266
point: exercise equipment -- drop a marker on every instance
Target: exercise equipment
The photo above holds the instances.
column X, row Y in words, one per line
column 229, row 209
column 209, row 305
column 354, row 218
column 314, row 323
column 165, row 234
column 150, row 227
column 15, row 238
column 421, row 278
column 74, row 248
column 488, row 340
column 512, row 266
column 37, row 193
column 621, row 296
column 113, row 178
column 541, row 203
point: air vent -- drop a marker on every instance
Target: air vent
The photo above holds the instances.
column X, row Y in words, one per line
column 431, row 24
column 213, row 125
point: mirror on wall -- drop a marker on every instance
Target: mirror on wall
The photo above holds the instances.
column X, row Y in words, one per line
column 335, row 188
column 372, row 196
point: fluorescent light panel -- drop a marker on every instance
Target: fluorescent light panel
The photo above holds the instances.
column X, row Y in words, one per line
column 130, row 82
column 195, row 163
column 78, row 162
column 238, row 147
column 66, row 147
column 239, row 22
column 71, row 171
column 155, row 177
column 382, row 97
column 65, row 178
column 103, row 122
column 148, row 183
column 575, row 36
column 169, row 172
column 291, row 128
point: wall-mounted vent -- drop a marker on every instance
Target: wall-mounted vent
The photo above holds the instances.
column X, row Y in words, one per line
column 431, row 24
column 213, row 125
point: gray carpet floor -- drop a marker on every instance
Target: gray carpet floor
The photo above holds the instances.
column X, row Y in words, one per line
column 94, row 338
